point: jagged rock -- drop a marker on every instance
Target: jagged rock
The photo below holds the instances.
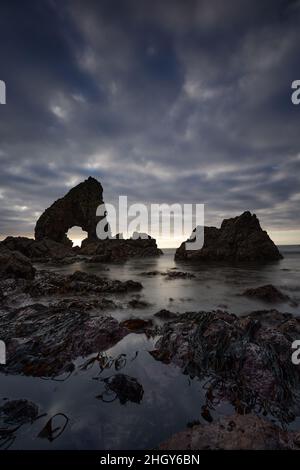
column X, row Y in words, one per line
column 51, row 283
column 137, row 303
column 237, row 432
column 43, row 250
column 126, row 388
column 151, row 273
column 45, row 340
column 120, row 249
column 14, row 265
column 239, row 239
column 165, row 315
column 171, row 275
column 267, row 293
column 77, row 208
column 246, row 362
column 136, row 324
column 86, row 305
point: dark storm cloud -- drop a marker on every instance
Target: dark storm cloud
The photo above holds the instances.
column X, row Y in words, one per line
column 166, row 101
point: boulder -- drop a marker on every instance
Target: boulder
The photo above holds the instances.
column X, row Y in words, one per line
column 236, row 432
column 43, row 341
column 78, row 283
column 238, row 239
column 41, row 250
column 245, row 361
column 267, row 293
column 136, row 324
column 118, row 249
column 15, row 265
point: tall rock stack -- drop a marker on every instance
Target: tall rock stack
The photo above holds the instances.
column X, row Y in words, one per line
column 238, row 239
column 77, row 208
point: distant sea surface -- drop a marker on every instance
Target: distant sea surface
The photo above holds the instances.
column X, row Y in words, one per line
column 171, row 399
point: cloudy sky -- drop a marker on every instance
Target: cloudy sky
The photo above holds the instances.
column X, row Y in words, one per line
column 163, row 100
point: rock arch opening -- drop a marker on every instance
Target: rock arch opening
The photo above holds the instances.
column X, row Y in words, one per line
column 76, row 235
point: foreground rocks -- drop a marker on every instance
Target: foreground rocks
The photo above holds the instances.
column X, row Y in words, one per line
column 246, row 361
column 51, row 283
column 15, row 265
column 50, row 320
column 267, row 293
column 38, row 251
column 239, row 239
column 44, row 341
column 237, row 432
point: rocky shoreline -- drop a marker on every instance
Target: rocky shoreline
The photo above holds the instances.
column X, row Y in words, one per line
column 50, row 319
column 245, row 361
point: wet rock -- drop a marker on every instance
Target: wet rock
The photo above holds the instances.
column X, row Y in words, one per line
column 45, row 340
column 165, row 314
column 96, row 259
column 126, row 388
column 170, row 275
column 237, row 432
column 77, row 208
column 90, row 304
column 38, row 251
column 267, row 293
column 15, row 265
column 248, row 363
column 120, row 250
column 136, row 324
column 51, row 283
column 66, row 261
column 138, row 304
column 151, row 273
column 17, row 412
column 239, row 239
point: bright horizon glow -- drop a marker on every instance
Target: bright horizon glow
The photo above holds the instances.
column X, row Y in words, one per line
column 289, row 237
column 279, row 237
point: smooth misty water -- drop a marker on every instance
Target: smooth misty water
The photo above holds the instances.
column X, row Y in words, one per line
column 171, row 399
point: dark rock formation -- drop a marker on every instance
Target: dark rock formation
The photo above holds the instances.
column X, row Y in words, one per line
column 239, row 239
column 77, row 208
column 267, row 293
column 14, row 265
column 237, row 432
column 169, row 275
column 172, row 275
column 244, row 360
column 51, row 283
column 43, row 250
column 44, row 340
column 138, row 304
column 118, row 249
column 165, row 315
column 137, row 324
